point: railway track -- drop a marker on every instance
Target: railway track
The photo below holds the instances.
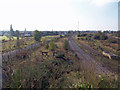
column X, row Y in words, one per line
column 86, row 58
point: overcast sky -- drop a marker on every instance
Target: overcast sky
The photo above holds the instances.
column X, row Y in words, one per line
column 59, row 14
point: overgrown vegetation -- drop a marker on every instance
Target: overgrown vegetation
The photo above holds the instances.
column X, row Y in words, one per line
column 101, row 44
column 82, row 35
column 100, row 36
column 60, row 55
column 50, row 73
column 111, row 41
column 15, row 43
column 41, row 72
column 66, row 45
column 52, row 45
column 34, row 70
column 37, row 35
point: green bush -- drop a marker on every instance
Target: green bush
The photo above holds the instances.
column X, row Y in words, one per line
column 60, row 55
column 96, row 36
column 16, row 79
column 52, row 45
column 83, row 35
column 103, row 83
column 88, row 38
column 66, row 45
column 37, row 35
column 78, row 35
column 78, row 38
column 100, row 36
column 43, row 40
column 103, row 36
column 61, row 36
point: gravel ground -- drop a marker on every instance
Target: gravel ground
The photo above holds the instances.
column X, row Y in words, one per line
column 87, row 59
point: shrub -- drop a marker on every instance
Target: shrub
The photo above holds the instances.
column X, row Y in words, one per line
column 66, row 45
column 83, row 35
column 103, row 36
column 103, row 83
column 60, row 55
column 100, row 36
column 112, row 41
column 88, row 38
column 37, row 35
column 57, row 38
column 16, row 79
column 43, row 40
column 22, row 54
column 96, row 36
column 46, row 46
column 61, row 36
column 18, row 43
column 52, row 45
column 78, row 35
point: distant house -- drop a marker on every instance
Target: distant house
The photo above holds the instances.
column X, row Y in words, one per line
column 27, row 35
column 21, row 32
column 62, row 32
column 109, row 55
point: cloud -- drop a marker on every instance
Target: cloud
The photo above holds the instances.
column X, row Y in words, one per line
column 95, row 2
column 102, row 2
column 51, row 14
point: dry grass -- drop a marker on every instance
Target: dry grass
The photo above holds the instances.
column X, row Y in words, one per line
column 11, row 45
column 49, row 72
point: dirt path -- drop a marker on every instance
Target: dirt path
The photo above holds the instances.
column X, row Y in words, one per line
column 87, row 59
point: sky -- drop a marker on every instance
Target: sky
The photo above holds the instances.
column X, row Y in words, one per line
column 119, row 16
column 59, row 15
